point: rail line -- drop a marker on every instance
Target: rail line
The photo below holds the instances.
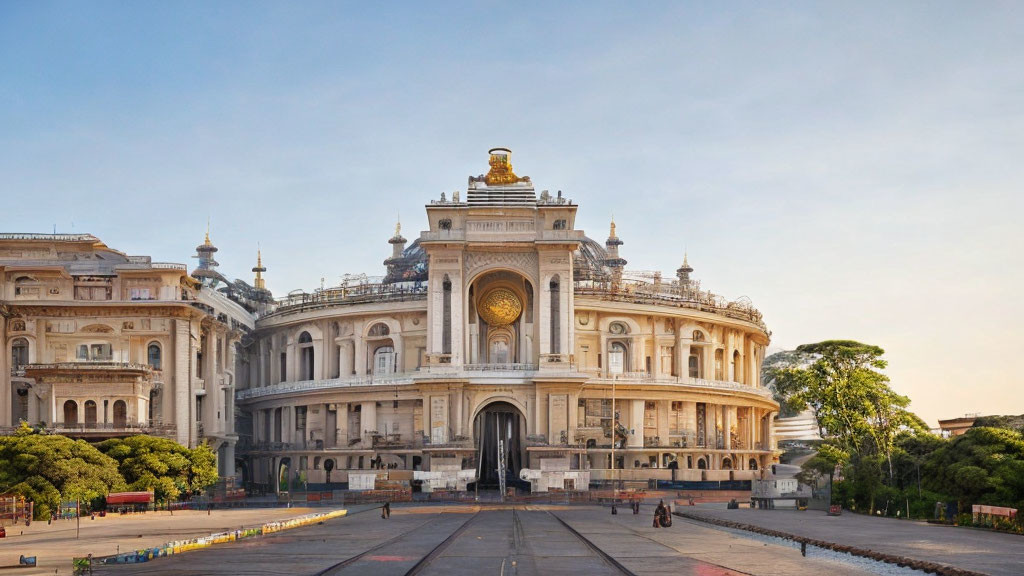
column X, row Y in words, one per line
column 440, row 548
column 353, row 559
column 593, row 547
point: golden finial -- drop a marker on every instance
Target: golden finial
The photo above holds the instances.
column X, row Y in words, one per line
column 398, row 229
column 612, row 233
column 501, row 168
column 207, row 241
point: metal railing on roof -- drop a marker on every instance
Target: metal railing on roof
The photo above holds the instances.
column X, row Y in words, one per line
column 644, row 292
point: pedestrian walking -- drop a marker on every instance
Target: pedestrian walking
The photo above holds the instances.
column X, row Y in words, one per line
column 385, row 510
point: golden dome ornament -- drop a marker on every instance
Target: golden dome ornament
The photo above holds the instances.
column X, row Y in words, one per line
column 500, row 307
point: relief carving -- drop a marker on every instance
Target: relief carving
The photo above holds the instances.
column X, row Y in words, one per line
column 524, row 262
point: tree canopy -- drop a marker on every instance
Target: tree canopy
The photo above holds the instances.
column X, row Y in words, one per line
column 841, row 382
column 162, row 465
column 47, row 469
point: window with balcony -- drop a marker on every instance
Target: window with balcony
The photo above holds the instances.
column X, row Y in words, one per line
column 98, row 352
column 19, row 353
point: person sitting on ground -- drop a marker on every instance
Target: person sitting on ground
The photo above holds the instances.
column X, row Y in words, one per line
column 659, row 513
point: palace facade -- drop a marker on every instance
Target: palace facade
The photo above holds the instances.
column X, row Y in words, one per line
column 504, row 322
column 502, row 338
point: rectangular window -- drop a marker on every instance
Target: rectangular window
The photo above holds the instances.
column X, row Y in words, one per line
column 284, row 366
column 140, row 294
column 300, row 417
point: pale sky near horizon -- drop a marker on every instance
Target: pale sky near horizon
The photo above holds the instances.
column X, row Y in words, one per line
column 855, row 169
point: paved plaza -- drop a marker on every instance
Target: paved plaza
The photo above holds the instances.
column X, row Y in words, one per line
column 55, row 544
column 998, row 554
column 513, row 540
column 500, row 540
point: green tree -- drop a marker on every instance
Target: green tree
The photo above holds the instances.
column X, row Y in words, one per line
column 841, row 382
column 47, row 469
column 982, row 466
column 169, row 469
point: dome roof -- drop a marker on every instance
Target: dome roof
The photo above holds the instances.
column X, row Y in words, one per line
column 588, row 261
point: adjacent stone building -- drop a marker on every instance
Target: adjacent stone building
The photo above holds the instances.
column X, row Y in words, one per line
column 100, row 344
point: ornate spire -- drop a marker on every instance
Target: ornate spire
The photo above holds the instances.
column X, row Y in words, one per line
column 683, row 272
column 207, row 241
column 259, row 283
column 611, row 232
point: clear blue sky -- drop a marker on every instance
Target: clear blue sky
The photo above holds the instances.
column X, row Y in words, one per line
column 854, row 168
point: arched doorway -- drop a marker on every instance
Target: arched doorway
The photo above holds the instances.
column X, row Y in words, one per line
column 499, row 421
column 70, row 413
column 90, row 412
column 120, row 414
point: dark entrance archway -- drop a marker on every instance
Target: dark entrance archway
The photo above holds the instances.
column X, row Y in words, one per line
column 499, row 421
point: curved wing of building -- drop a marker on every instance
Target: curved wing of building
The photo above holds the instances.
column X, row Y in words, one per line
column 503, row 325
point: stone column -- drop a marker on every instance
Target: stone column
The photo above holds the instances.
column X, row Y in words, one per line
column 341, row 426
column 727, row 420
column 182, row 378
column 6, row 386
column 368, row 420
column 664, row 408
column 227, row 467
column 33, row 405
column 680, row 361
column 359, row 356
column 636, row 422
column 690, row 422
column 319, row 355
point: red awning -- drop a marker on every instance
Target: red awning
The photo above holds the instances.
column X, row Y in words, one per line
column 129, row 498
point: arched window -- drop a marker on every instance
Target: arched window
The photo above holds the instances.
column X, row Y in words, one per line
column 384, row 360
column 555, row 315
column 701, row 464
column 305, row 356
column 752, row 464
column 618, row 359
column 154, row 356
column 694, row 362
column 120, row 414
column 719, row 364
column 737, row 367
column 70, row 413
column 379, row 330
column 19, row 353
column 90, row 412
column 727, row 464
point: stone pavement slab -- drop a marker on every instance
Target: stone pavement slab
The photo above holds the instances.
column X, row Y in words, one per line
column 994, row 553
column 513, row 541
column 55, row 544
column 691, row 548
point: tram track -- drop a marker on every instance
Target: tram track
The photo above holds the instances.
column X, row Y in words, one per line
column 338, row 567
column 440, row 548
column 608, row 559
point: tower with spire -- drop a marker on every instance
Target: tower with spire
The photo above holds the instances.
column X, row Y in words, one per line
column 259, row 283
column 614, row 261
column 204, row 252
column 683, row 272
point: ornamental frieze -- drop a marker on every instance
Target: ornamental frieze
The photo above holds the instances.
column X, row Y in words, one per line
column 523, row 262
